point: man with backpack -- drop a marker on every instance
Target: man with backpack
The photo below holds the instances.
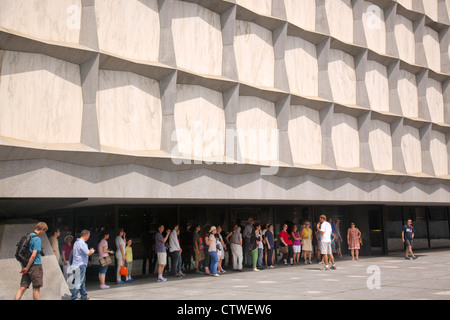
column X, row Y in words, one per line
column 32, row 269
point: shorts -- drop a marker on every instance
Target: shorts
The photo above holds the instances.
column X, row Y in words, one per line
column 325, row 248
column 162, row 257
column 408, row 243
column 297, row 248
column 35, row 275
column 102, row 270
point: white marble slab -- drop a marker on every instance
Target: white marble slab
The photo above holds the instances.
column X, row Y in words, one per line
column 435, row 100
column 341, row 70
column 404, row 36
column 432, row 49
column 200, row 122
column 129, row 111
column 439, row 153
column 257, row 127
column 301, row 13
column 340, row 19
column 374, row 27
column 380, row 143
column 197, row 38
column 407, row 90
column 345, row 139
column 43, row 19
column 411, row 149
column 377, row 85
column 254, row 52
column 305, row 135
column 301, row 61
column 263, row 7
column 40, row 98
column 129, row 28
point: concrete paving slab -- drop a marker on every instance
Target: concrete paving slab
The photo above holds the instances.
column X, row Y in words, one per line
column 425, row 278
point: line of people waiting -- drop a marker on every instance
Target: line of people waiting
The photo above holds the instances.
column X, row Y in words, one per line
column 253, row 247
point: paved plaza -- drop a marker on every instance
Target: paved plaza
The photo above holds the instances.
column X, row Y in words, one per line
column 386, row 278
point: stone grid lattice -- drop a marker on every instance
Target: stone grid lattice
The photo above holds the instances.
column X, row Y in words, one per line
column 92, row 93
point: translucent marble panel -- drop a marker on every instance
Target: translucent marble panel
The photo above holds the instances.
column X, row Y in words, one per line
column 41, row 99
column 435, row 100
column 404, row 35
column 257, row 129
column 341, row 70
column 345, row 139
column 340, row 19
column 431, row 8
column 439, row 154
column 432, row 49
column 200, row 122
column 380, row 142
column 305, row 135
column 374, row 27
column 197, row 38
column 301, row 61
column 377, row 85
column 254, row 54
column 411, row 149
column 129, row 28
column 263, row 7
column 43, row 19
column 407, row 90
column 129, row 111
column 301, row 13
column 406, row 3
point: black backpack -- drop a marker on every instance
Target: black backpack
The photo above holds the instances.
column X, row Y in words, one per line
column 23, row 253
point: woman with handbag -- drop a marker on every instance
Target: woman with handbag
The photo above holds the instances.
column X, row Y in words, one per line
column 354, row 240
column 284, row 240
column 104, row 259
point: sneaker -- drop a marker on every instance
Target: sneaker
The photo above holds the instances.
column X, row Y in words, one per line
column 161, row 279
column 407, row 258
column 271, row 267
column 120, row 282
column 104, row 286
column 333, row 267
column 415, row 257
column 326, row 268
column 223, row 271
column 130, row 280
column 255, row 269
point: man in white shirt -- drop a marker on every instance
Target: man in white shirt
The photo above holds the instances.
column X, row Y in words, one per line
column 324, row 229
column 174, row 249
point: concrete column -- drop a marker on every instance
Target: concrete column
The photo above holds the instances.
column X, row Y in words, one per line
column 321, row 18
column 326, row 122
column 424, row 110
column 397, row 154
column 444, row 40
column 166, row 47
column 425, row 138
column 283, row 111
column 359, row 37
column 168, row 94
column 362, row 97
column 390, row 16
column 90, row 135
column 419, row 32
column 394, row 98
column 364, row 128
column 227, row 21
column 279, row 36
column 323, row 53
